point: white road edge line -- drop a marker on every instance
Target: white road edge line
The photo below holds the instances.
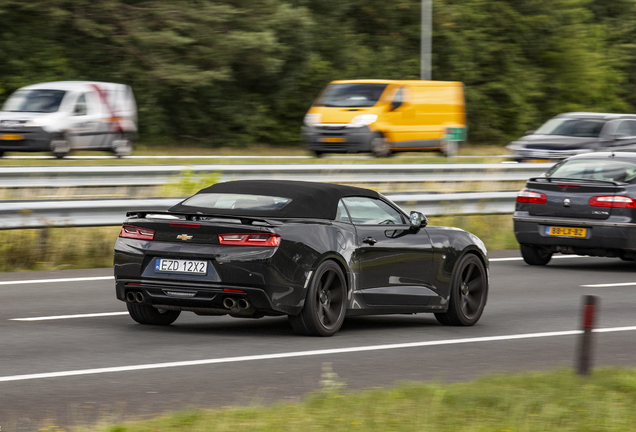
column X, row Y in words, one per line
column 554, row 257
column 300, row 354
column 34, row 281
column 610, row 285
column 58, row 317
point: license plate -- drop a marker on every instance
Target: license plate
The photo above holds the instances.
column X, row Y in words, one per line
column 181, row 266
column 332, row 139
column 12, row 137
column 565, row 231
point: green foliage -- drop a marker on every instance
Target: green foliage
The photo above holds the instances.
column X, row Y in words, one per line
column 188, row 183
column 529, row 402
column 239, row 72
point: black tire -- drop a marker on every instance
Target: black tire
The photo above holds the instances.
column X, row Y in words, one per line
column 1, row 153
column 325, row 304
column 318, row 153
column 60, row 146
column 533, row 255
column 468, row 293
column 145, row 314
column 122, row 146
column 380, row 146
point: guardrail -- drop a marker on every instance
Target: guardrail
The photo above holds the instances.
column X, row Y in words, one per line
column 111, row 212
column 157, row 175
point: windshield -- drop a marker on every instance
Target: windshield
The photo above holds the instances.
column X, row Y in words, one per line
column 236, row 201
column 595, row 169
column 572, row 127
column 42, row 101
column 350, row 95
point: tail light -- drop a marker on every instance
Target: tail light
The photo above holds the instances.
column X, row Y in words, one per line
column 133, row 232
column 526, row 196
column 612, row 201
column 244, row 239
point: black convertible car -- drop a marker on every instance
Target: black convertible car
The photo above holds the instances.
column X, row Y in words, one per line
column 312, row 251
column 585, row 205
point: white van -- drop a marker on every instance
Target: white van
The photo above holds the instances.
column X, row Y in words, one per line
column 69, row 115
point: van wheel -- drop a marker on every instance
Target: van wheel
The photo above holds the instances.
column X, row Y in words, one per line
column 380, row 146
column 318, row 153
column 449, row 148
column 1, row 154
column 122, row 146
column 60, row 146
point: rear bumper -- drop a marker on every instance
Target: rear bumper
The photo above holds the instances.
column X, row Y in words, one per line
column 603, row 238
column 201, row 299
column 337, row 139
column 33, row 139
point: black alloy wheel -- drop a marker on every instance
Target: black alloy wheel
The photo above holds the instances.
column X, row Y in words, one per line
column 325, row 304
column 145, row 314
column 468, row 293
column 533, row 255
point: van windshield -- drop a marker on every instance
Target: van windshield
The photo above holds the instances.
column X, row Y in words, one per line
column 42, row 101
column 582, row 127
column 350, row 95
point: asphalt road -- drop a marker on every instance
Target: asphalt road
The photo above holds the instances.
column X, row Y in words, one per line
column 74, row 370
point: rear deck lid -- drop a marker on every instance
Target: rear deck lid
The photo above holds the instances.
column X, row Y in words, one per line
column 571, row 198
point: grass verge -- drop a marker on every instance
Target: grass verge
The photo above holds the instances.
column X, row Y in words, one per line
column 78, row 248
column 529, row 402
column 188, row 154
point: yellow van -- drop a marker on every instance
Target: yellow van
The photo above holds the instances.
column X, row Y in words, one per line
column 385, row 116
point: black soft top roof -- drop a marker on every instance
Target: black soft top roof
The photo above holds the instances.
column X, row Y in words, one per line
column 308, row 199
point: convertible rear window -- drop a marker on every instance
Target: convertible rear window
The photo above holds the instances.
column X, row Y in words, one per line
column 236, row 201
column 595, row 169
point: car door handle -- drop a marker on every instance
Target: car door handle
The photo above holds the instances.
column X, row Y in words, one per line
column 370, row 240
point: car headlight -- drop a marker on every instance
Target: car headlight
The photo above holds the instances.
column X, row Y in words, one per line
column 312, row 119
column 38, row 122
column 363, row 120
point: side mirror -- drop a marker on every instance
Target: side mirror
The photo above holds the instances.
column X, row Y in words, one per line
column 417, row 220
column 530, row 132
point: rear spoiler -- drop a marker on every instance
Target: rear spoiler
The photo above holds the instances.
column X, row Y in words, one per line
column 577, row 180
column 245, row 220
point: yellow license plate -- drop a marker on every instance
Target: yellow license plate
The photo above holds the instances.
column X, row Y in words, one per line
column 11, row 137
column 333, row 139
column 566, row 231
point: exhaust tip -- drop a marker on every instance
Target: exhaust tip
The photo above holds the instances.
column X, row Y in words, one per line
column 139, row 297
column 243, row 304
column 229, row 303
column 130, row 297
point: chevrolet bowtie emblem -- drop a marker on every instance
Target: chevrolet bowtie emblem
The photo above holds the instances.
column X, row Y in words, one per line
column 184, row 237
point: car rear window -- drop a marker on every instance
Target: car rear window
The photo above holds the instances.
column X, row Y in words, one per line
column 236, row 201
column 595, row 169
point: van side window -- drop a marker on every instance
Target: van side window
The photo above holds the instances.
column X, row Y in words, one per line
column 398, row 99
column 80, row 106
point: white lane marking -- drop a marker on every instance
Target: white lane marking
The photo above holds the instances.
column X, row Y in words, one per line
column 58, row 317
column 554, row 257
column 609, row 285
column 80, row 279
column 301, row 354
